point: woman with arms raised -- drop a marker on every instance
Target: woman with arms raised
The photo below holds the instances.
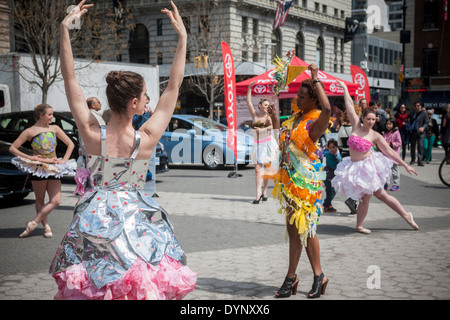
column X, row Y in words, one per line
column 365, row 171
column 298, row 185
column 120, row 244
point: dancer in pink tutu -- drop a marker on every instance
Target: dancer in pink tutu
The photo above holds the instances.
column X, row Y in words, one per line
column 365, row 171
column 120, row 244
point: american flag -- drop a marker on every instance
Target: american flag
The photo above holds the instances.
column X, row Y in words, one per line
column 281, row 13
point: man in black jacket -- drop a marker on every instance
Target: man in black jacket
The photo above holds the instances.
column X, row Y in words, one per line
column 418, row 121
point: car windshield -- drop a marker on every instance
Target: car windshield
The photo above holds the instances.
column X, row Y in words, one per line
column 208, row 124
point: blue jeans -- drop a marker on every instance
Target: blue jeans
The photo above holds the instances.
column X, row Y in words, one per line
column 330, row 194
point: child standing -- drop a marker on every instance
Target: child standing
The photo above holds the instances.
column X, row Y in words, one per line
column 333, row 157
column 394, row 139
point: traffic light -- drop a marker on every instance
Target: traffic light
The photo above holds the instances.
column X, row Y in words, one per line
column 198, row 62
column 201, row 61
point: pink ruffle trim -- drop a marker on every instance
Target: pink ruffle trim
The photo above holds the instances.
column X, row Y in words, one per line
column 143, row 281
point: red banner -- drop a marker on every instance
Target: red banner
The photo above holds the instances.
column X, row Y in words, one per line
column 359, row 77
column 230, row 96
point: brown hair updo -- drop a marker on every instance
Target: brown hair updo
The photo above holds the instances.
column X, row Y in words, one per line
column 122, row 87
column 40, row 109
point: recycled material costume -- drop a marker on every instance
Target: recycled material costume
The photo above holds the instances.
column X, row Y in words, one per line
column 298, row 185
column 356, row 178
column 265, row 149
column 120, row 244
column 44, row 144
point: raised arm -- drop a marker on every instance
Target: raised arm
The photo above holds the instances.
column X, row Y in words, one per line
column 74, row 94
column 158, row 122
column 388, row 151
column 250, row 107
column 351, row 113
column 272, row 111
column 321, row 124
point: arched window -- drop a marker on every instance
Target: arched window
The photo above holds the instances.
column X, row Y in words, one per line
column 139, row 44
column 320, row 50
column 300, row 46
column 276, row 39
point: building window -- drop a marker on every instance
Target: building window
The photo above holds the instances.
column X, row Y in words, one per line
column 139, row 44
column 276, row 39
column 430, row 15
column 324, row 9
column 255, row 57
column 316, row 6
column 255, row 27
column 160, row 58
column 203, row 24
column 320, row 50
column 304, row 3
column 429, row 64
column 159, row 27
column 244, row 55
column 300, row 46
column 187, row 24
column 244, row 25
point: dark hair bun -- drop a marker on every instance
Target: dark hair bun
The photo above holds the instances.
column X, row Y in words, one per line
column 113, row 77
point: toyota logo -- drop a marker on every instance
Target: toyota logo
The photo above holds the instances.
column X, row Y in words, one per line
column 359, row 79
column 260, row 89
column 333, row 87
column 229, row 65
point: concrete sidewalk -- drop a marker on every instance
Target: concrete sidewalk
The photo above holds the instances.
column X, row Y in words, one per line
column 394, row 262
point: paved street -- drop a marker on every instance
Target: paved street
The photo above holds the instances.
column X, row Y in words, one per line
column 239, row 249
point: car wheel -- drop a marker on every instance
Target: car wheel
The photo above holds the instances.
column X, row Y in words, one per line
column 212, row 157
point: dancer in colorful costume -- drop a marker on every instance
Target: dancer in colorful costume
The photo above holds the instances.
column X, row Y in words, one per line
column 120, row 244
column 365, row 171
column 298, row 185
column 45, row 169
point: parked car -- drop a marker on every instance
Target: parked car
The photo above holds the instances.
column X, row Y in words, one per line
column 12, row 124
column 194, row 139
column 161, row 161
column 14, row 184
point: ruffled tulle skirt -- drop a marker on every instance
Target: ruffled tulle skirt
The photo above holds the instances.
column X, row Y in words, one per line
column 45, row 170
column 354, row 179
column 143, row 281
column 265, row 150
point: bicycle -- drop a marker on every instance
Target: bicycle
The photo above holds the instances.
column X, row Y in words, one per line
column 444, row 171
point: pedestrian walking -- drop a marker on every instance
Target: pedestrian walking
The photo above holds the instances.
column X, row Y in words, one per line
column 431, row 133
column 394, row 140
column 120, row 244
column 298, row 186
column 401, row 117
column 333, row 157
column 365, row 172
column 265, row 148
column 445, row 131
column 417, row 122
column 45, row 169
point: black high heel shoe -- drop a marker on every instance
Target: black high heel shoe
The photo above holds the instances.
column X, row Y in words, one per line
column 257, row 201
column 264, row 198
column 288, row 287
column 318, row 287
